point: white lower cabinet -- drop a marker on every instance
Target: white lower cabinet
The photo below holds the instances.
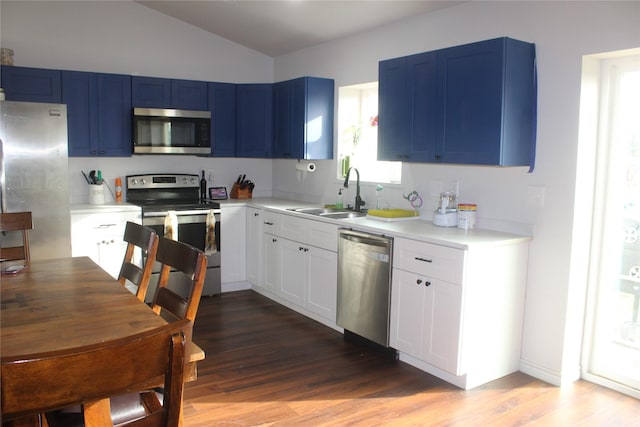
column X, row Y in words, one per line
column 233, row 245
column 300, row 264
column 425, row 320
column 294, row 271
column 98, row 233
column 254, row 246
column 458, row 313
column 322, row 282
column 272, row 255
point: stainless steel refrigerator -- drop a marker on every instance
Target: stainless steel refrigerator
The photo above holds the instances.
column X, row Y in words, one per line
column 34, row 174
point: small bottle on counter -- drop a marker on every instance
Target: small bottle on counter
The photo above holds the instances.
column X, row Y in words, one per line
column 340, row 200
column 118, row 190
column 203, row 187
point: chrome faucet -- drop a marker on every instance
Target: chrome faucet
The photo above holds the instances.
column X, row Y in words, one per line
column 359, row 201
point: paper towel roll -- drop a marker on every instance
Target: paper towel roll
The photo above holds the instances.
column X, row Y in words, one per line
column 306, row 166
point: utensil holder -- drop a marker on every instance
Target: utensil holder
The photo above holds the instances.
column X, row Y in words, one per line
column 237, row 192
column 96, row 194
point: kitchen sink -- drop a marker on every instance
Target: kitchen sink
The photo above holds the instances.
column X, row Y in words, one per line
column 343, row 214
column 330, row 212
column 315, row 211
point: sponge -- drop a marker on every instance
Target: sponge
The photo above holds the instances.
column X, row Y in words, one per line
column 392, row 213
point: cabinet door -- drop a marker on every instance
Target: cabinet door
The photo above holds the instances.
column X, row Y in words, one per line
column 317, row 121
column 408, row 304
column 222, row 105
column 272, row 253
column 470, row 79
column 111, row 253
column 322, row 283
column 80, row 93
column 189, row 95
column 441, row 344
column 233, row 262
column 31, row 84
column 114, row 115
column 422, row 78
column 151, row 92
column 408, row 108
column 425, row 319
column 283, row 140
column 292, row 285
column 254, row 246
column 254, row 120
column 394, row 110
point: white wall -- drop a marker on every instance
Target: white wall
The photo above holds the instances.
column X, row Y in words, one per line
column 127, row 38
column 124, row 37
column 563, row 32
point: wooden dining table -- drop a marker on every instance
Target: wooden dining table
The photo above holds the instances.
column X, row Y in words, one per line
column 61, row 304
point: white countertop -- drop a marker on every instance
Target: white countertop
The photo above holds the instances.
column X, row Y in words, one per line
column 420, row 230
column 104, row 208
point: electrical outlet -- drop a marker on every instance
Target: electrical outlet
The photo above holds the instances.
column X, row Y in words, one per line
column 535, row 196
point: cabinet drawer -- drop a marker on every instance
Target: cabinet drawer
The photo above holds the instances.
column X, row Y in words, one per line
column 435, row 261
column 321, row 235
column 271, row 222
column 292, row 228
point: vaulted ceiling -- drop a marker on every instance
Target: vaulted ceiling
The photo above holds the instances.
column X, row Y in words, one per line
column 278, row 27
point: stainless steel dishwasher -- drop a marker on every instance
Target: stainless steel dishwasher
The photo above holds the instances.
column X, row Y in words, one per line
column 364, row 284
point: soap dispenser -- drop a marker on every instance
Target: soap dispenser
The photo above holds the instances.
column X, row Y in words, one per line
column 340, row 200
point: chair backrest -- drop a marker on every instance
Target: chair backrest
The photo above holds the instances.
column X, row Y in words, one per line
column 179, row 259
column 145, row 238
column 51, row 381
column 18, row 221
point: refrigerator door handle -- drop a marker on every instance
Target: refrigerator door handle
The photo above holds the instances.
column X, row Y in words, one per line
column 3, row 207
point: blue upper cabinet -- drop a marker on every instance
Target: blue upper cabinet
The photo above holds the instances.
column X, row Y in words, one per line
column 470, row 104
column 407, row 93
column 487, row 103
column 80, row 93
column 150, row 92
column 98, row 113
column 254, row 120
column 303, row 113
column 222, row 105
column 31, row 84
column 189, row 95
column 154, row 92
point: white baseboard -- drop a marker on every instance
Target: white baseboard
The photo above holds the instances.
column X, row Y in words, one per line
column 235, row 286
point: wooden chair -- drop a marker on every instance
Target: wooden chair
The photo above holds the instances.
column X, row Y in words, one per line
column 18, row 221
column 91, row 374
column 138, row 236
column 187, row 263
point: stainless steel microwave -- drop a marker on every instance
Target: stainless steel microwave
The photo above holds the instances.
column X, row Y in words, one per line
column 163, row 131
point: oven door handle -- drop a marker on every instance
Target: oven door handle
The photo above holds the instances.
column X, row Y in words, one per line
column 200, row 218
column 181, row 213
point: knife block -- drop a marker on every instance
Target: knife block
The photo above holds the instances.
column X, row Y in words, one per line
column 238, row 192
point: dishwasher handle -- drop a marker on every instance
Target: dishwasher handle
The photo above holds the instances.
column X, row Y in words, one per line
column 368, row 239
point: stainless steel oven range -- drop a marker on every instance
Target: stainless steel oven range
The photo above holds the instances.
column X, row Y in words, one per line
column 157, row 194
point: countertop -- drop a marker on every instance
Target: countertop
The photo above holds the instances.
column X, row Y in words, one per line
column 417, row 229
column 104, row 208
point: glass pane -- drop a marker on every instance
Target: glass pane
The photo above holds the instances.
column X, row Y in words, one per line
column 616, row 342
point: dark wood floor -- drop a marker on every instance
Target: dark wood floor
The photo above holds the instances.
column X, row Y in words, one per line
column 267, row 365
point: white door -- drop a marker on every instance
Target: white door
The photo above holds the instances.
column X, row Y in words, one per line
column 613, row 341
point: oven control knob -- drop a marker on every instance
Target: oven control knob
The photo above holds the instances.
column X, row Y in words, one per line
column 143, row 181
column 193, row 180
column 134, row 181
